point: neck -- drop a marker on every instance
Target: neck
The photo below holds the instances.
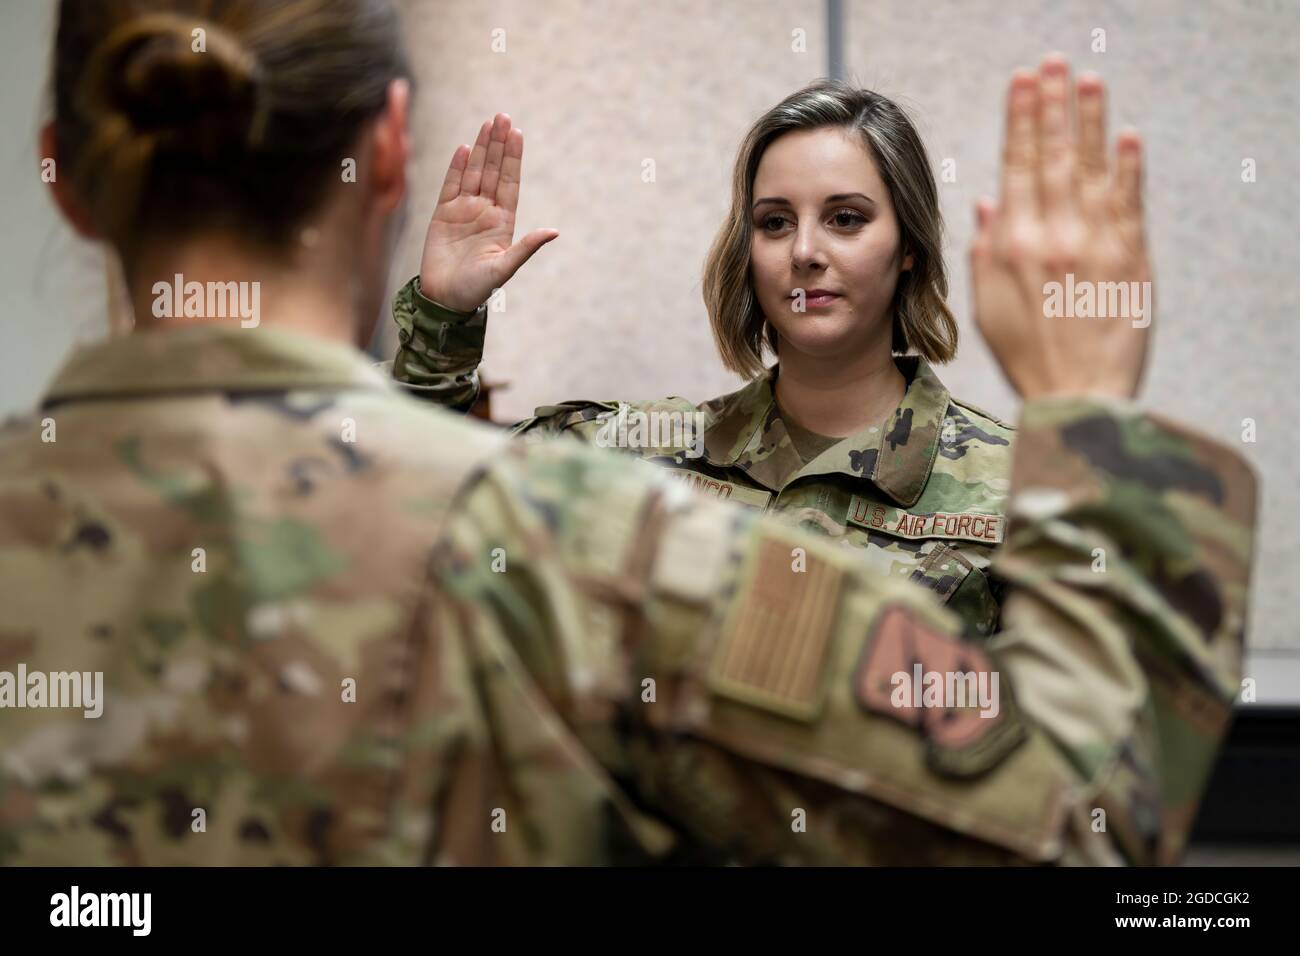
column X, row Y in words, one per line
column 222, row 284
column 835, row 397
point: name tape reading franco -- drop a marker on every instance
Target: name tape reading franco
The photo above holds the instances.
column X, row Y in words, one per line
column 725, row 490
column 956, row 526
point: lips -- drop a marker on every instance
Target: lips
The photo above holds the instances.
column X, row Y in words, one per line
column 819, row 298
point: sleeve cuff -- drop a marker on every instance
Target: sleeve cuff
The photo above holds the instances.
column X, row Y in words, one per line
column 430, row 309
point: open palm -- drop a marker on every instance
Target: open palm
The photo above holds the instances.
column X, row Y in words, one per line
column 1071, row 215
column 469, row 249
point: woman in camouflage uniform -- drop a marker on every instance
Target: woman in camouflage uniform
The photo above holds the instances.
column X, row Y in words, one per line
column 830, row 257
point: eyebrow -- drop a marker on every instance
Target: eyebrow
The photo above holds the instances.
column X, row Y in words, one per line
column 838, row 197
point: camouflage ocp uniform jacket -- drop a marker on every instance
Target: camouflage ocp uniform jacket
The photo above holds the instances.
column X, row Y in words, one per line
column 329, row 625
column 924, row 497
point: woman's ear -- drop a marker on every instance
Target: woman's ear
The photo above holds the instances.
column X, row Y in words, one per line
column 392, row 146
column 65, row 196
column 907, row 262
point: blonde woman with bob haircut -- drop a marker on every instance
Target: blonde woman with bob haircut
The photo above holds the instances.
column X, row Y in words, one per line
column 830, row 258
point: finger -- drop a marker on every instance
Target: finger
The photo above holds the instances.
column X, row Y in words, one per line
column 496, row 149
column 1128, row 173
column 1020, row 146
column 1092, row 126
column 985, row 218
column 511, row 167
column 469, row 184
column 455, row 172
column 522, row 251
column 1055, row 143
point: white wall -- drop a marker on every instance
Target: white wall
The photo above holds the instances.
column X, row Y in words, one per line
column 53, row 284
column 612, row 307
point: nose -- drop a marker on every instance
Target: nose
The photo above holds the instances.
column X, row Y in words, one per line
column 806, row 255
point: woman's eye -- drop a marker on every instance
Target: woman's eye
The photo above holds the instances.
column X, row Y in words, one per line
column 773, row 223
column 848, row 218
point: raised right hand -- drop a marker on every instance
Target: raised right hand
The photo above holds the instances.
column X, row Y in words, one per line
column 467, row 250
column 1070, row 217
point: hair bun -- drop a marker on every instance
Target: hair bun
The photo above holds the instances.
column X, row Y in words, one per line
column 186, row 85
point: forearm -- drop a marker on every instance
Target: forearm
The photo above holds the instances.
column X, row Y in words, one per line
column 1129, row 553
column 437, row 361
column 670, row 685
column 439, row 350
column 1120, row 654
column 644, row 647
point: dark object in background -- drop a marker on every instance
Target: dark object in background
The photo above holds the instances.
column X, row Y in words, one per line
column 1254, row 793
column 482, row 407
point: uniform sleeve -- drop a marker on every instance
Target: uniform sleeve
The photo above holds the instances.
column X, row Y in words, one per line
column 743, row 693
column 438, row 355
column 439, row 350
column 1128, row 555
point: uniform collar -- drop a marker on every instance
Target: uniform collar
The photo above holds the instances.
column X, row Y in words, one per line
column 745, row 431
column 209, row 358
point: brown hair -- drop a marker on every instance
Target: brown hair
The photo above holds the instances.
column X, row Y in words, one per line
column 174, row 116
column 922, row 319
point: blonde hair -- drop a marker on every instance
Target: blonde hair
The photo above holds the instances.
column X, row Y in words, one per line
column 922, row 319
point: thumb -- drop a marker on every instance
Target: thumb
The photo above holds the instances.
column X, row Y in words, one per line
column 523, row 250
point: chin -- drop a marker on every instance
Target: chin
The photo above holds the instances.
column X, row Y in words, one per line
column 821, row 336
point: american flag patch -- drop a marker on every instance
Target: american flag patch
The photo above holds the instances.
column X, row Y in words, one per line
column 775, row 641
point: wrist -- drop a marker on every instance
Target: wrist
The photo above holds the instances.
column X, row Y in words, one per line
column 1081, row 392
column 438, row 301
